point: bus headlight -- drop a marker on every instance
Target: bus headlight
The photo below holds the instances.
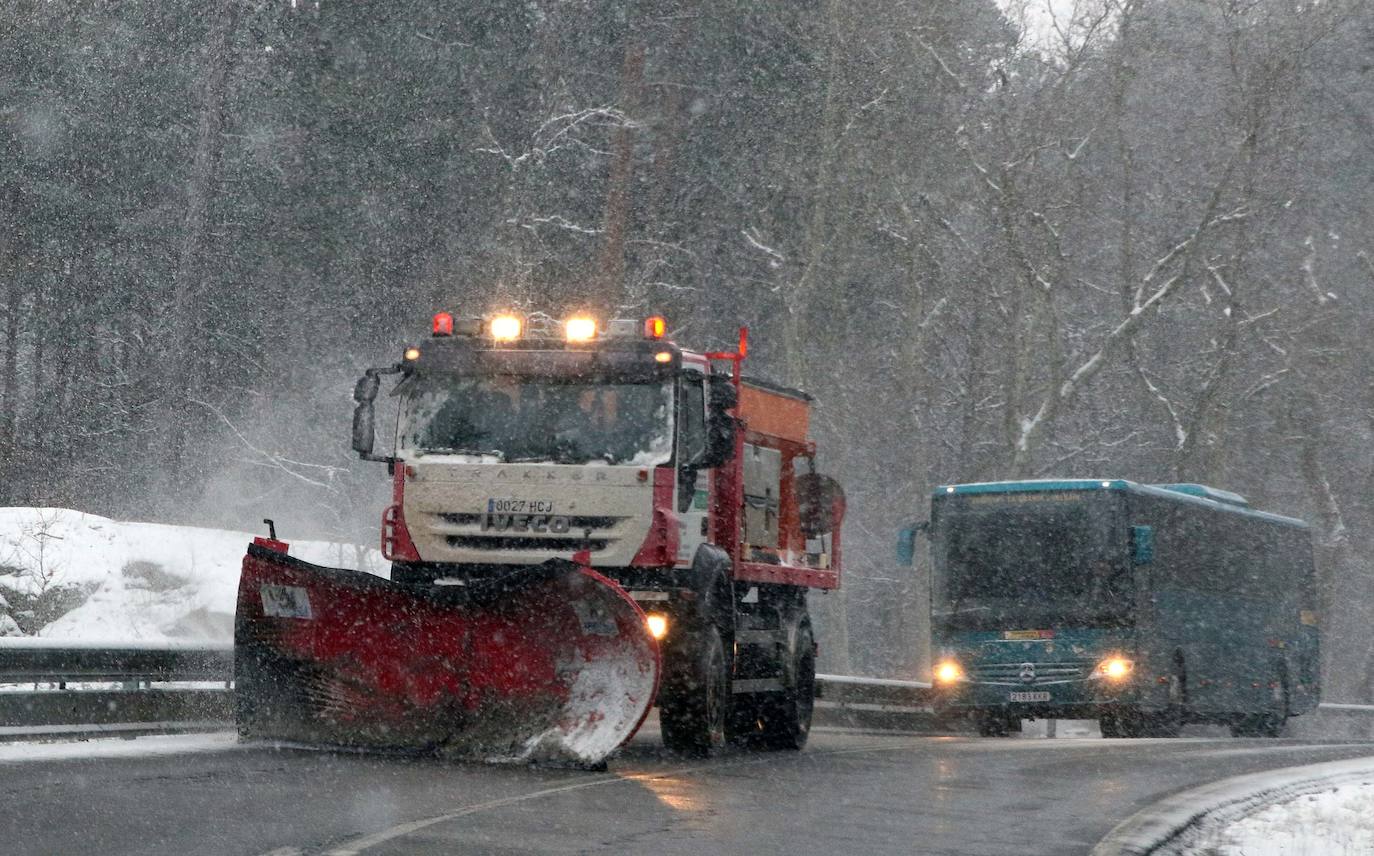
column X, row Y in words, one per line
column 657, row 623
column 1115, row 668
column 947, row 672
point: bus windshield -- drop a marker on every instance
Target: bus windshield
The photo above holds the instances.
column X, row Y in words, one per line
column 515, row 419
column 1012, row 565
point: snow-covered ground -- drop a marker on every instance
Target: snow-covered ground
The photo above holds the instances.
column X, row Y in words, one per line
column 1338, row 822
column 175, row 744
column 135, row 582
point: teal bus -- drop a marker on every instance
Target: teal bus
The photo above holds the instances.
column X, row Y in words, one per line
column 1142, row 606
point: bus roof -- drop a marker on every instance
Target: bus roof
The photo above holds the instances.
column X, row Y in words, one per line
column 1190, row 494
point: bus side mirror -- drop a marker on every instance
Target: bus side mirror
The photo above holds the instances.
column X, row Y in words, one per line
column 1142, row 544
column 906, row 544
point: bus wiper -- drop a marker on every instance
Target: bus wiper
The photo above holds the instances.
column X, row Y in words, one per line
column 958, row 611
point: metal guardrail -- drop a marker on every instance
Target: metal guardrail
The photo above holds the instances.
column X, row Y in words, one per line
column 134, row 686
column 101, row 688
column 1342, row 707
column 848, row 690
column 28, row 660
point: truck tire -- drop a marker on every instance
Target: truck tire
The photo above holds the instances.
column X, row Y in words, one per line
column 786, row 717
column 694, row 697
column 992, row 723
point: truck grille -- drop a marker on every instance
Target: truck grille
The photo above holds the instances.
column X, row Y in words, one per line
column 463, row 531
column 1009, row 674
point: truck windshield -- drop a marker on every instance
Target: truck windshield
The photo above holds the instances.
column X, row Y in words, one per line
column 515, row 419
column 1026, row 564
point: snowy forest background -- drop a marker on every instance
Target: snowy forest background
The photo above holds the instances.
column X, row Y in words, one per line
column 1131, row 242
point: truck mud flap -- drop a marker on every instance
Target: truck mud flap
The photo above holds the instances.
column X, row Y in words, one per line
column 547, row 663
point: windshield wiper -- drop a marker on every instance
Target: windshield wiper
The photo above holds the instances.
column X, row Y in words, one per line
column 454, row 450
column 957, row 611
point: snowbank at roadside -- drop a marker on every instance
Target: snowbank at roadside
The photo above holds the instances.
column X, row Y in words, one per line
column 124, row 582
column 1212, row 818
column 1338, row 822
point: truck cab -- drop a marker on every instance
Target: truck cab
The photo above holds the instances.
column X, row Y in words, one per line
column 521, row 438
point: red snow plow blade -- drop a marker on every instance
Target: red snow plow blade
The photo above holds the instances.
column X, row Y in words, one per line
column 550, row 662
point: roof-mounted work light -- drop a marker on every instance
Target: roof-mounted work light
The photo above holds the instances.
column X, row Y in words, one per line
column 443, row 324
column 505, row 328
column 655, row 327
column 579, row 328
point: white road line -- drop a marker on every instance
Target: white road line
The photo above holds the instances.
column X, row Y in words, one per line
column 358, row 845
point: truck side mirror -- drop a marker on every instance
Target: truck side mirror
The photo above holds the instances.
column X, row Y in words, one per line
column 367, row 387
column 364, row 432
column 1142, row 544
column 720, row 425
column 724, row 396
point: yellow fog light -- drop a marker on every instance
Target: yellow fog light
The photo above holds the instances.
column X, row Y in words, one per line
column 948, row 672
column 1115, row 668
column 657, row 624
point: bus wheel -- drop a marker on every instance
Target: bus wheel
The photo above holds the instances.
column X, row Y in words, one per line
column 994, row 724
column 1272, row 722
column 1131, row 723
column 1123, row 723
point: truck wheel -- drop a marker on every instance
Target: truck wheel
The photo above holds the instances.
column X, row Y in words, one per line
column 786, row 720
column 695, row 694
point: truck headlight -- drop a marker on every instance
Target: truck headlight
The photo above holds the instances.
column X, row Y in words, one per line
column 657, row 623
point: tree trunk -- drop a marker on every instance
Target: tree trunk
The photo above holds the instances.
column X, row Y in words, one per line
column 610, row 266
column 184, row 358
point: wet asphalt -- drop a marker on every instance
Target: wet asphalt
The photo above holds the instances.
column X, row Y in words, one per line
column 849, row 792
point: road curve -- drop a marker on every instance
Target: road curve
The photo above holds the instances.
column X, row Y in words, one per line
column 849, row 792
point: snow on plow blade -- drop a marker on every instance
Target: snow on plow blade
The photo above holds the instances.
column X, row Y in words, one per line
column 550, row 662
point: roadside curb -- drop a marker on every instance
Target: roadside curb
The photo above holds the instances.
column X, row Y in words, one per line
column 1172, row 825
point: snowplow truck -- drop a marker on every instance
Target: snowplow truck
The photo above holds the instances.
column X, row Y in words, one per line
column 584, row 521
